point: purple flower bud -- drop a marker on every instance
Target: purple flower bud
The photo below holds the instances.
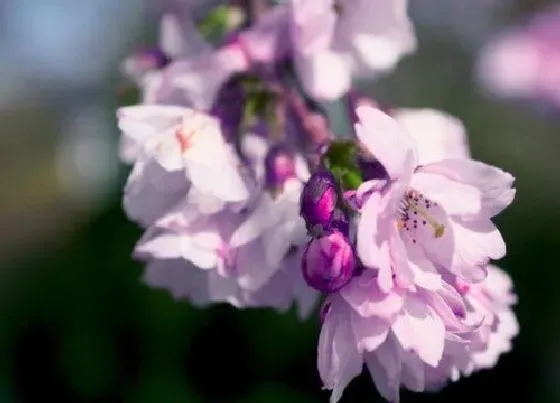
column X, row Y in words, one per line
column 279, row 166
column 318, row 200
column 328, row 262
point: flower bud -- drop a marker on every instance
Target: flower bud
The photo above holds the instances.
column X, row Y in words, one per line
column 318, row 200
column 328, row 262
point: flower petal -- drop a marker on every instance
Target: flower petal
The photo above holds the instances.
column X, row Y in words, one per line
column 369, row 332
column 418, row 328
column 324, row 84
column 159, row 244
column 438, row 136
column 365, row 297
column 217, row 176
column 454, row 197
column 338, row 358
column 385, row 367
column 494, row 184
column 387, row 141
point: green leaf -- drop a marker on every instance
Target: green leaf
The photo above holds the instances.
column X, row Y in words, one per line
column 215, row 25
column 340, row 159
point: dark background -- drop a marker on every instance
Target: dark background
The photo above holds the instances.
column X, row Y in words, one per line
column 76, row 323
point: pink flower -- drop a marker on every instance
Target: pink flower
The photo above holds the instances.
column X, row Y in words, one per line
column 429, row 218
column 335, row 41
column 175, row 150
column 194, row 256
column 400, row 335
column 198, row 246
column 416, row 338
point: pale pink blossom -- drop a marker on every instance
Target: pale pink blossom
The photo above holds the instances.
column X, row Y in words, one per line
column 427, row 219
column 175, row 150
column 195, row 257
column 401, row 336
column 276, row 218
column 336, row 41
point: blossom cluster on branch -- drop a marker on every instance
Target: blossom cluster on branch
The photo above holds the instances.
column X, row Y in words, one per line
column 248, row 197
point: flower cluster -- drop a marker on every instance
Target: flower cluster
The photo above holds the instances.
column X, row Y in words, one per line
column 247, row 197
column 418, row 303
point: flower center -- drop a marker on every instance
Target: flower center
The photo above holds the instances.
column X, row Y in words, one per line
column 416, row 210
column 184, row 137
column 192, row 124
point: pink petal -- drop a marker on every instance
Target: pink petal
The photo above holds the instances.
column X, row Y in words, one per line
column 167, row 152
column 254, row 270
column 338, row 358
column 494, row 184
column 320, row 83
column 222, row 289
column 159, row 244
column 418, row 328
column 424, row 272
column 450, row 308
column 313, row 25
column 150, row 117
column 372, row 243
column 258, row 221
column 477, row 242
column 454, row 197
column 203, row 250
column 218, row 178
column 266, row 41
column 369, row 332
column 465, row 248
column 365, row 297
column 385, row 365
column 387, row 141
column 180, row 37
column 170, row 274
column 438, row 136
column 413, row 374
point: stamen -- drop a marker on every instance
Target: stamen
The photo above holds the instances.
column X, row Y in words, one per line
column 192, row 124
column 411, row 202
column 184, row 138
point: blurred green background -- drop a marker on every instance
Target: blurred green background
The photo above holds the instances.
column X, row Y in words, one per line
column 77, row 324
